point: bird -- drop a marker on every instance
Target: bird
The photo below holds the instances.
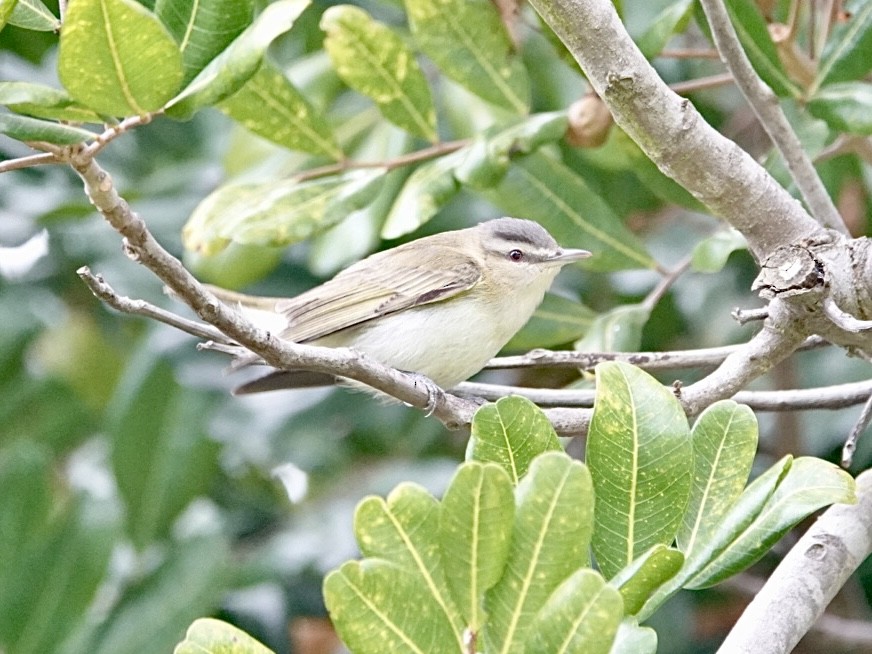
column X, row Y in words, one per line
column 440, row 306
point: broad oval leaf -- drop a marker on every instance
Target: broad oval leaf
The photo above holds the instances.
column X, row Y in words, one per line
column 6, row 9
column 848, row 53
column 556, row 321
column 375, row 61
column 469, row 43
column 44, row 102
column 639, row 453
column 24, row 128
column 672, row 19
column 475, row 530
column 845, row 107
column 550, row 540
column 541, row 188
column 511, row 432
column 633, row 639
column 724, row 439
column 227, row 72
column 33, row 15
column 211, row 636
column 810, row 484
column 270, row 106
column 639, row 580
column 404, row 530
column 581, row 617
column 117, row 58
column 378, row 607
column 276, row 213
column 710, row 255
column 203, row 28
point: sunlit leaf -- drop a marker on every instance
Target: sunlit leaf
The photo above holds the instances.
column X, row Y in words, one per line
column 550, row 541
column 638, row 581
column 6, row 9
column 616, row 330
column 276, row 213
column 633, row 639
column 469, row 43
column 378, row 607
column 580, row 617
column 270, row 106
column 375, row 61
column 226, row 73
column 203, row 28
column 211, row 636
column 511, row 433
column 117, row 58
column 724, row 440
column 639, row 453
column 23, row 128
column 475, row 530
column 404, row 530
column 44, row 102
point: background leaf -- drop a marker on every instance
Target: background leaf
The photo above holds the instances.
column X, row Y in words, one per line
column 845, row 107
column 33, row 15
column 44, row 102
column 375, row 61
column 210, row 636
column 33, row 129
column 848, row 52
column 556, row 321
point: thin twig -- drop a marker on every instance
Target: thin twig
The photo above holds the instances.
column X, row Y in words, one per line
column 702, row 83
column 29, row 161
column 689, row 53
column 843, row 319
column 765, row 105
column 665, row 284
column 851, row 443
column 388, row 164
column 743, row 316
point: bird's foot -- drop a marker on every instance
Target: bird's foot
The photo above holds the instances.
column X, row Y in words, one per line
column 434, row 393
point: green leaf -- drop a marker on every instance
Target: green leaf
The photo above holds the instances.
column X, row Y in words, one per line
column 511, row 433
column 226, row 73
column 203, row 28
column 44, row 102
column 754, row 36
column 490, row 155
column 211, row 636
column 6, row 9
column 544, row 189
column 550, row 540
column 810, row 484
column 672, row 19
column 475, row 530
column 375, row 61
column 270, row 106
column 423, row 194
column 162, row 458
column 639, row 453
column 378, row 607
column 710, row 255
column 51, row 581
column 633, row 639
column 33, row 15
column 189, row 582
column 848, row 52
column 638, row 581
column 556, row 321
column 616, row 330
column 846, row 107
column 277, row 213
column 724, row 441
column 23, row 128
column 117, row 58
column 468, row 42
column 404, row 530
column 581, row 617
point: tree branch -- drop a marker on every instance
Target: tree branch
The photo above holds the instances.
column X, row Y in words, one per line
column 765, row 105
column 807, row 579
column 671, row 132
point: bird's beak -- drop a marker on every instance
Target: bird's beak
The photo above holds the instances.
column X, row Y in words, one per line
column 568, row 256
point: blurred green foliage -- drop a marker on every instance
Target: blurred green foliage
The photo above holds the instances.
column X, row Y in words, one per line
column 136, row 495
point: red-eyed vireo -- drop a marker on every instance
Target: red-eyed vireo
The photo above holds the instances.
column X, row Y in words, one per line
column 441, row 306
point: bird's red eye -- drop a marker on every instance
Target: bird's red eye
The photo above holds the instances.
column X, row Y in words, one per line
column 516, row 255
